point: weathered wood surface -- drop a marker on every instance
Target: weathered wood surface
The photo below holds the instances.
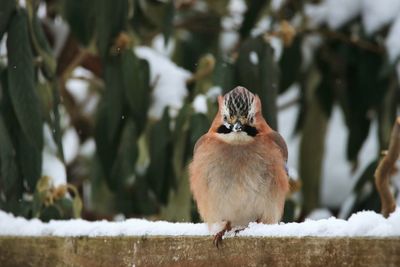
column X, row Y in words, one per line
column 198, row 251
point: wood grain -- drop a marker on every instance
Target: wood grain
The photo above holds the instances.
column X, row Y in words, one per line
column 198, row 251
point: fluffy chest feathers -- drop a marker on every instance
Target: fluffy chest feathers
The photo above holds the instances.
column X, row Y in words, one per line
column 237, row 183
column 243, row 165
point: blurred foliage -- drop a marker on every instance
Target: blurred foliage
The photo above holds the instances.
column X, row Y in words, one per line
column 139, row 167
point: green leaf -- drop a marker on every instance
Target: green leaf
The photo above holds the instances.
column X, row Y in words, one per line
column 290, row 64
column 223, row 75
column 160, row 169
column 6, row 11
column 21, row 82
column 199, row 125
column 80, row 15
column 199, row 41
column 136, row 80
column 9, row 179
column 251, row 16
column 327, row 83
column 365, row 90
column 180, row 140
column 168, row 21
column 114, row 95
column 260, row 78
column 125, row 162
column 289, row 212
column 106, row 146
column 111, row 19
column 110, row 118
column 42, row 48
column 29, row 161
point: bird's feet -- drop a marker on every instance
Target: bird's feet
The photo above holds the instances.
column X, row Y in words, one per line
column 218, row 236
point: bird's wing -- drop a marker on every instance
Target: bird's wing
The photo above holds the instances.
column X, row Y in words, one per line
column 280, row 142
column 199, row 142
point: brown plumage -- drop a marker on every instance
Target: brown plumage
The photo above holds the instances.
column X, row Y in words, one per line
column 238, row 172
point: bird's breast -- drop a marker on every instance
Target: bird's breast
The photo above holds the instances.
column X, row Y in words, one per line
column 239, row 183
column 238, row 167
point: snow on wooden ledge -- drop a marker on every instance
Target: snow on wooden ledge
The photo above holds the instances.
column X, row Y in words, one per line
column 366, row 239
column 362, row 224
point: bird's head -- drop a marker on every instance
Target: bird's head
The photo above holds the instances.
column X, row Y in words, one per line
column 239, row 111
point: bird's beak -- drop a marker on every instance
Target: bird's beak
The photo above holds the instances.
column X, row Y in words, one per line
column 237, row 127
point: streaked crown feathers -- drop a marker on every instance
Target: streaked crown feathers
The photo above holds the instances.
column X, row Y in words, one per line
column 239, row 102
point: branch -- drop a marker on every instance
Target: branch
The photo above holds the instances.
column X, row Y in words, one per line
column 385, row 170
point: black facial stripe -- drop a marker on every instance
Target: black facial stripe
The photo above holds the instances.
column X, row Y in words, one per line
column 223, row 129
column 251, row 131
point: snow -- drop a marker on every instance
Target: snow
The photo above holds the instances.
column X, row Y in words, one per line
column 253, row 58
column 316, row 13
column 335, row 13
column 366, row 223
column 286, row 123
column 392, row 41
column 277, row 45
column 60, row 30
column 309, row 45
column 158, row 44
column 42, row 10
column 78, row 87
column 376, row 14
column 53, row 167
column 3, row 49
column 200, row 104
column 88, row 148
column 342, row 11
column 277, row 4
column 169, row 81
column 214, row 92
column 237, row 7
column 319, row 214
column 230, row 23
column 70, row 142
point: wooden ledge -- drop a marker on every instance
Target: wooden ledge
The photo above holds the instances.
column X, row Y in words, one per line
column 199, row 251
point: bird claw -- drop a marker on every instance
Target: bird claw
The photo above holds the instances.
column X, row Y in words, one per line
column 218, row 238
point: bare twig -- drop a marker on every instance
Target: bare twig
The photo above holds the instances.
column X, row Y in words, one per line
column 385, row 170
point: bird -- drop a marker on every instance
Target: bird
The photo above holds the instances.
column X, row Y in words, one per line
column 238, row 173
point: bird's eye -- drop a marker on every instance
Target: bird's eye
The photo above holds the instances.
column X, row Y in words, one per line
column 225, row 118
column 251, row 120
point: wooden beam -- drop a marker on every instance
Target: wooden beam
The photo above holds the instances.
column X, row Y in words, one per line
column 198, row 251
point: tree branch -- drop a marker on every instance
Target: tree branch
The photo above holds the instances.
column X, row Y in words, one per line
column 386, row 168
